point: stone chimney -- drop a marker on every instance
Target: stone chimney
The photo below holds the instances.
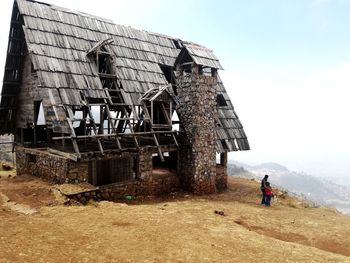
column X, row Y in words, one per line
column 197, row 112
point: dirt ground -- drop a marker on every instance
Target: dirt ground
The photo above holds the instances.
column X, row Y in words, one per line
column 175, row 228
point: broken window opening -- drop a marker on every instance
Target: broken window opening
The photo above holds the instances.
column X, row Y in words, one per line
column 40, row 120
column 224, row 144
column 206, row 71
column 177, row 43
column 220, row 100
column 217, row 159
column 175, row 121
column 168, row 72
column 78, row 117
column 221, row 158
column 159, row 113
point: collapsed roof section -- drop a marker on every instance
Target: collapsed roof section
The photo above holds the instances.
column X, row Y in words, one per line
column 199, row 55
column 60, row 43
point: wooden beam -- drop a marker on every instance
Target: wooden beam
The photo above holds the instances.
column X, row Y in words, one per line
column 75, row 145
column 110, row 122
column 166, row 114
column 107, row 76
column 113, row 135
column 130, row 127
column 70, row 156
column 95, row 129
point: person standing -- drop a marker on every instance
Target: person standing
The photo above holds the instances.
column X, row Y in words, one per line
column 262, row 188
column 268, row 194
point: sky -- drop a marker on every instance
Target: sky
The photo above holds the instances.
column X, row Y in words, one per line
column 286, row 68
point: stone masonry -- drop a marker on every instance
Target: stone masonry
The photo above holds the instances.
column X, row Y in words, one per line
column 197, row 111
column 58, row 169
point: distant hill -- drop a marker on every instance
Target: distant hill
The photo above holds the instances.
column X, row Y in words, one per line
column 318, row 190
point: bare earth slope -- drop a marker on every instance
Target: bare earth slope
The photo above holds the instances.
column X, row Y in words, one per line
column 182, row 228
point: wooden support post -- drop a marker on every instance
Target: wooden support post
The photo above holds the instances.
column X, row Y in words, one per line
column 223, row 158
column 174, row 138
column 74, row 142
column 109, row 116
column 35, row 135
column 84, row 124
column 101, row 128
column 94, row 172
column 92, row 121
column 36, row 113
column 167, row 117
column 22, row 136
column 130, row 126
column 63, row 143
column 70, row 124
column 158, row 147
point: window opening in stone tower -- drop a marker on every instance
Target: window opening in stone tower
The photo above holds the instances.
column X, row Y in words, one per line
column 220, row 100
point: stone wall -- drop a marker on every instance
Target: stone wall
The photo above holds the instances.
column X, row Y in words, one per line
column 40, row 163
column 221, row 173
column 221, row 177
column 57, row 169
column 197, row 112
column 155, row 186
column 145, row 184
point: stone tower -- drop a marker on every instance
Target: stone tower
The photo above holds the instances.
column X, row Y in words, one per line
column 196, row 89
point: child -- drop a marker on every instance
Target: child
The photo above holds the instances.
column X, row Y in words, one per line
column 268, row 194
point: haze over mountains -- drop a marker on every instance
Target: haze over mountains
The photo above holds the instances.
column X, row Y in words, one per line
column 316, row 189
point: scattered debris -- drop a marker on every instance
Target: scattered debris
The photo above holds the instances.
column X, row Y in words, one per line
column 222, row 213
column 7, row 167
column 238, row 221
column 129, row 197
column 19, row 208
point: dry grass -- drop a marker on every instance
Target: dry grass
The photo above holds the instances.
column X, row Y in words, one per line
column 180, row 228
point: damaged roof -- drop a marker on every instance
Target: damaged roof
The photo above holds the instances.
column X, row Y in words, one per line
column 58, row 41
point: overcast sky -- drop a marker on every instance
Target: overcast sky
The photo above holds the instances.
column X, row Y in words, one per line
column 286, row 68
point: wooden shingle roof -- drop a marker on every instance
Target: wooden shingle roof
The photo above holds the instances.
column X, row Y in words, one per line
column 58, row 41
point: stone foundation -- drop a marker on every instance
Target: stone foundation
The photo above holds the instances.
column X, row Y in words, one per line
column 57, row 169
column 49, row 167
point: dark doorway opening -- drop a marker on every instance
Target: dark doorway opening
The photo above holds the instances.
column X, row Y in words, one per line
column 109, row 171
column 169, row 166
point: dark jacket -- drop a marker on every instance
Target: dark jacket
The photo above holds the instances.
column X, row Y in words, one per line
column 263, row 184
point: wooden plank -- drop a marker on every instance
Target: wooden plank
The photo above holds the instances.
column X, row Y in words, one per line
column 107, row 76
column 165, row 113
column 130, row 127
column 75, row 145
column 175, row 141
column 64, row 154
column 113, row 134
column 6, row 143
column 158, row 147
column 112, row 126
column 95, row 129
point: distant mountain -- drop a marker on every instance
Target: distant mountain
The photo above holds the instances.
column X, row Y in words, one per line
column 271, row 167
column 318, row 190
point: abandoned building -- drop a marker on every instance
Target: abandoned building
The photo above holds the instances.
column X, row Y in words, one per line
column 127, row 111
